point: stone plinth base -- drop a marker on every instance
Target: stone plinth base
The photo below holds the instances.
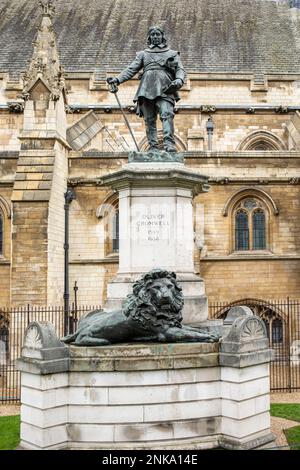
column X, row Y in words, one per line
column 148, row 396
column 156, row 222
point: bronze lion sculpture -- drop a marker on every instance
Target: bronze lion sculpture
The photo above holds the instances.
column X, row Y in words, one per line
column 153, row 312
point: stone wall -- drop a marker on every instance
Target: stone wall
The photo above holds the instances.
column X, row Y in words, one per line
column 4, row 283
column 275, row 173
column 10, row 126
column 274, row 272
column 257, row 279
column 29, row 254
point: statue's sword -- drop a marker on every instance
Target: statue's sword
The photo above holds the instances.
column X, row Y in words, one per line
column 114, row 89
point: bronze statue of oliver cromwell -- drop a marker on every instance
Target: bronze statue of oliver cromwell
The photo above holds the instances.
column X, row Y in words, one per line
column 162, row 77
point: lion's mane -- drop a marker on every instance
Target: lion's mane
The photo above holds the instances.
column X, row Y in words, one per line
column 139, row 305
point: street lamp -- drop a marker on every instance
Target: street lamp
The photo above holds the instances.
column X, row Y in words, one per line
column 210, row 130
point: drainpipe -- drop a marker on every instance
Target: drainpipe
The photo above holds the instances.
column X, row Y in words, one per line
column 210, row 130
column 69, row 196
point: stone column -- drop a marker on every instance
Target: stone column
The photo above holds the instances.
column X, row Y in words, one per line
column 44, row 389
column 38, row 205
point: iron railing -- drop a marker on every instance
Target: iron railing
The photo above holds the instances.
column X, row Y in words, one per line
column 282, row 321
column 13, row 323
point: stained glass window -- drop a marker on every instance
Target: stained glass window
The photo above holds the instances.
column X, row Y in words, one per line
column 259, row 230
column 241, row 231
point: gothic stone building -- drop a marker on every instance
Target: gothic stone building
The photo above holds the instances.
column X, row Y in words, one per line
column 60, row 127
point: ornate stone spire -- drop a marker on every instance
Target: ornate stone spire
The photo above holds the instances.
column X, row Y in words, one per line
column 44, row 64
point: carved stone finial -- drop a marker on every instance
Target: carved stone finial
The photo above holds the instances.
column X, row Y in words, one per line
column 48, row 7
column 45, row 64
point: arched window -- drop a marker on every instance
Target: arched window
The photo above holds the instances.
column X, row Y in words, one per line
column 261, row 140
column 241, row 231
column 259, row 229
column 144, row 145
column 1, row 234
column 250, row 225
column 108, row 212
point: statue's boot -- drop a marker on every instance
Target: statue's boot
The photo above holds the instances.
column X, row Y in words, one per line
column 168, row 133
column 151, row 132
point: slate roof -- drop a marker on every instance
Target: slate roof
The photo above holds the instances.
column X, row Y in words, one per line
column 212, row 35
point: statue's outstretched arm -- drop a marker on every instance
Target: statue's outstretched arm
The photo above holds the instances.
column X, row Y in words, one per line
column 180, row 73
column 132, row 69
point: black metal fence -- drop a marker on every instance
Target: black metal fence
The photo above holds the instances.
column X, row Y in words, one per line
column 13, row 323
column 282, row 321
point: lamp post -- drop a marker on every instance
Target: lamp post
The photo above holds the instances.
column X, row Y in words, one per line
column 69, row 196
column 210, row 130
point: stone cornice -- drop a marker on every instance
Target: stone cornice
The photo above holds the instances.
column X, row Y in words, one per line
column 234, row 154
column 44, row 135
column 7, row 183
column 200, row 108
column 108, row 260
column 254, row 181
column 144, row 177
column 234, row 258
column 9, row 155
column 4, row 262
column 290, row 181
column 196, row 75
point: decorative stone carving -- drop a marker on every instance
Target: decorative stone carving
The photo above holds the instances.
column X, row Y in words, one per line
column 42, row 351
column 282, row 109
column 294, row 180
column 208, row 108
column 253, row 329
column 246, row 343
column 33, row 338
column 16, row 107
column 48, row 7
column 70, row 109
column 44, row 64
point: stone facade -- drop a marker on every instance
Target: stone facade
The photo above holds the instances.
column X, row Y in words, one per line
column 70, row 130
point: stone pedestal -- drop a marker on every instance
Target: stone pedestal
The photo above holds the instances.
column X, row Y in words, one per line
column 156, row 229
column 147, row 396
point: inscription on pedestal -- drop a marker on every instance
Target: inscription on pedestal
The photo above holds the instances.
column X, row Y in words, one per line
column 152, row 227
